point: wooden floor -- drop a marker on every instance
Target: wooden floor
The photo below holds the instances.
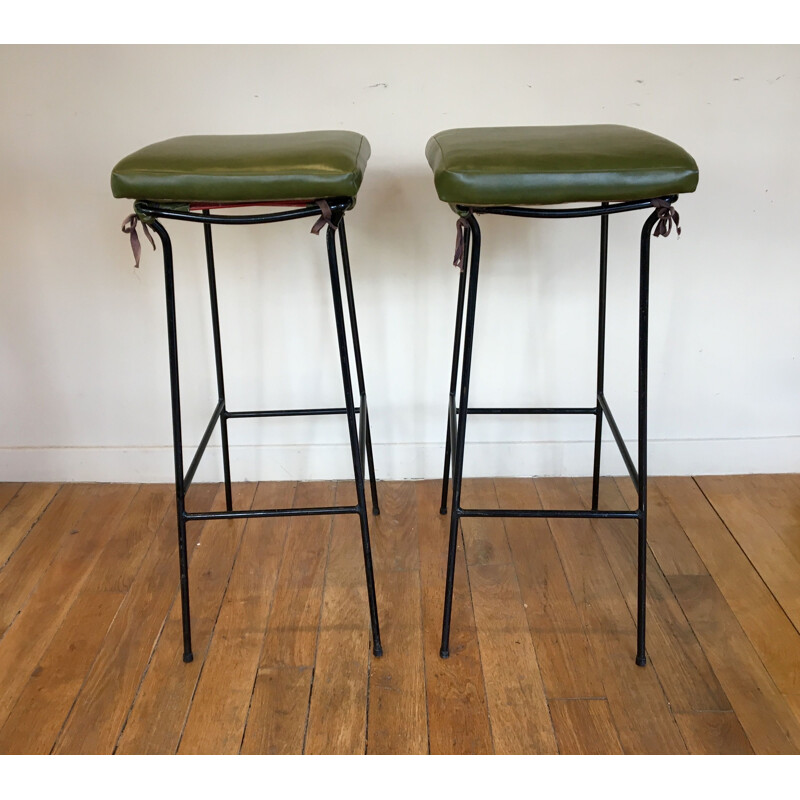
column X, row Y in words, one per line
column 543, row 638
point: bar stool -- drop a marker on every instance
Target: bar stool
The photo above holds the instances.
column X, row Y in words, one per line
column 310, row 174
column 513, row 172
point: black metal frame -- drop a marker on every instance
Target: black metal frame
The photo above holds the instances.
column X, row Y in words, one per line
column 457, row 414
column 360, row 437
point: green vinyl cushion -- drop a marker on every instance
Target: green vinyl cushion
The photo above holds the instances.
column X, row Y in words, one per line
column 556, row 164
column 241, row 168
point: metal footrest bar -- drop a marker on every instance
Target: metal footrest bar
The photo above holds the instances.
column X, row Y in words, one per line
column 317, row 511
column 451, row 421
column 187, row 481
column 288, row 412
column 546, row 513
column 220, row 412
column 623, row 449
column 592, row 410
column 362, row 429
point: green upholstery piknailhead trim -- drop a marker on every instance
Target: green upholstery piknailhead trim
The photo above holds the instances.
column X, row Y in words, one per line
column 243, row 168
column 556, row 164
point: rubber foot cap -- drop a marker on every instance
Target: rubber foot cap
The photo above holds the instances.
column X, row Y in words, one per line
column 188, row 658
column 377, row 651
column 376, row 512
column 444, row 653
column 443, row 510
column 641, row 661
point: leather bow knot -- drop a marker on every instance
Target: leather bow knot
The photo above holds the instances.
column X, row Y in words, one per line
column 129, row 227
column 667, row 215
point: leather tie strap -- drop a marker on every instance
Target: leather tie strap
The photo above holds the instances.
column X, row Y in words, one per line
column 666, row 216
column 325, row 219
column 462, row 227
column 129, row 227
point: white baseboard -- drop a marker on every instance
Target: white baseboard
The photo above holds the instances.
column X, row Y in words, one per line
column 399, row 461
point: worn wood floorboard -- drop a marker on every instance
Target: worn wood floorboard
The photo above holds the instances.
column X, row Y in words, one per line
column 337, row 716
column 584, row 726
column 107, row 694
column 542, row 640
column 218, row 712
column 20, row 513
column 687, row 678
column 397, row 721
column 34, row 627
column 278, row 715
column 458, row 719
column 7, row 492
column 639, row 708
column 762, row 711
column 165, row 694
column 566, row 661
column 769, row 630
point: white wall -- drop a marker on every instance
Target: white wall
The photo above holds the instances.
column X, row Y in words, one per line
column 84, row 388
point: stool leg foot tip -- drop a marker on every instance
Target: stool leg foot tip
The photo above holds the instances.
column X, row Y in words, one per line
column 377, row 651
column 443, row 510
column 641, row 661
column 188, row 658
column 444, row 653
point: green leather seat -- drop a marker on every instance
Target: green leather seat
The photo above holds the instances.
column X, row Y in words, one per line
column 556, row 164
column 242, row 168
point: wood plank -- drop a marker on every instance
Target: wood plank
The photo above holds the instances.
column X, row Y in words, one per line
column 768, row 628
column 768, row 722
column 793, row 701
column 278, row 714
column 337, row 716
column 485, row 539
column 34, row 627
column 458, row 717
column 20, row 513
column 293, row 625
column 397, row 722
column 584, row 726
column 397, row 711
column 514, row 689
column 566, row 661
column 394, row 532
column 35, row 554
column 105, row 699
column 777, row 500
column 161, row 704
column 666, row 538
column 766, row 550
column 123, row 555
column 276, row 723
column 7, row 491
column 683, row 669
column 711, row 733
column 637, row 703
column 43, row 705
column 219, row 708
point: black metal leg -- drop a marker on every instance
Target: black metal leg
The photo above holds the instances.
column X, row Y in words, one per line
column 462, row 282
column 458, row 450
column 644, row 292
column 172, row 336
column 601, row 358
column 351, row 306
column 223, row 418
column 354, row 444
